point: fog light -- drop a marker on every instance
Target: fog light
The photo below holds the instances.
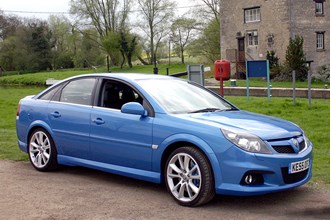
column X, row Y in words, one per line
column 253, row 178
column 249, row 179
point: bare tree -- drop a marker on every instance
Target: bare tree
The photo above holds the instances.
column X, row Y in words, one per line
column 214, row 8
column 156, row 16
column 108, row 17
column 182, row 29
column 105, row 15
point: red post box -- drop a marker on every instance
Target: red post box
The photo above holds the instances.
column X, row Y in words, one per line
column 222, row 72
column 222, row 69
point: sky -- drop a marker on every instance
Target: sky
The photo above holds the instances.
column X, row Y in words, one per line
column 17, row 7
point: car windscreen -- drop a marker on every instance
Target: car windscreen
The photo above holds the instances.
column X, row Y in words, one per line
column 180, row 96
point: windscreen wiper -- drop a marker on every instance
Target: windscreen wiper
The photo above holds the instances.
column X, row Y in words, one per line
column 206, row 110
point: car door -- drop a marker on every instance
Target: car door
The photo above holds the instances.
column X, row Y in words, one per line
column 118, row 138
column 69, row 115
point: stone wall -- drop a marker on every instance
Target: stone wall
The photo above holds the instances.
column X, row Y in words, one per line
column 305, row 23
column 280, row 19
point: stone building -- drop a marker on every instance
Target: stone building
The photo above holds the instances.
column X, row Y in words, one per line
column 250, row 28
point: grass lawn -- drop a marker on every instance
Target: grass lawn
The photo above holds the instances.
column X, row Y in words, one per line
column 9, row 98
column 40, row 78
column 315, row 120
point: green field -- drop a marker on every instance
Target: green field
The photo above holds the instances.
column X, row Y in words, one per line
column 315, row 120
column 39, row 79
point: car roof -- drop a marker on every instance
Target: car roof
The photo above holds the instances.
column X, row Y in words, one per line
column 129, row 76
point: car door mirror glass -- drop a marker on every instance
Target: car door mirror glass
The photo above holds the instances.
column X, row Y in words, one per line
column 134, row 108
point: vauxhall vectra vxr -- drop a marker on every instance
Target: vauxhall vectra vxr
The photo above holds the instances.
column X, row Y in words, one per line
column 162, row 129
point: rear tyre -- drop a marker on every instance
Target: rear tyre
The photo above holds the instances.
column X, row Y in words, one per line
column 42, row 150
column 189, row 178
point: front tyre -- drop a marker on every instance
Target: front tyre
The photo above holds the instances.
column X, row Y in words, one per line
column 189, row 178
column 42, row 151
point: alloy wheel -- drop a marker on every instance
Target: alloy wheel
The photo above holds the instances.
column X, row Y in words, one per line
column 184, row 177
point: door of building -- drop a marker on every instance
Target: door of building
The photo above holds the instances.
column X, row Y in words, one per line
column 241, row 59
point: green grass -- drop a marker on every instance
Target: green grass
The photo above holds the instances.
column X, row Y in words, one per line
column 256, row 82
column 9, row 98
column 39, row 79
column 315, row 120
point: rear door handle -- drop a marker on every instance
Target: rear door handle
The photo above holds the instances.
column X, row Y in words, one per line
column 56, row 114
column 99, row 121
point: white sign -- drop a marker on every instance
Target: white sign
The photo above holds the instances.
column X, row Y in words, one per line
column 207, row 69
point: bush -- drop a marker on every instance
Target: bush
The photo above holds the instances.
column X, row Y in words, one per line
column 323, row 74
column 296, row 58
column 273, row 59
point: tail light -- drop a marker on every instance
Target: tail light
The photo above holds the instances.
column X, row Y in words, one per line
column 18, row 110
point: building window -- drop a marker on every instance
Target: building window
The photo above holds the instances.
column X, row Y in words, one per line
column 252, row 15
column 252, row 38
column 320, row 40
column 319, row 8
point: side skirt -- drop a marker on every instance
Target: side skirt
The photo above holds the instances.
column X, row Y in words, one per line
column 110, row 168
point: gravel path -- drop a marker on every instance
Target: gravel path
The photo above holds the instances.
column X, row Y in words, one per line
column 79, row 193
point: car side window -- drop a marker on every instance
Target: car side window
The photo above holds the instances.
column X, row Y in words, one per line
column 78, row 91
column 116, row 94
column 49, row 94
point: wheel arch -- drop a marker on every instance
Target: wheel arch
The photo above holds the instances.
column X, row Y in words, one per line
column 176, row 141
column 38, row 124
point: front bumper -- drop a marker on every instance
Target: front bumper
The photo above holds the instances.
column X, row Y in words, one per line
column 235, row 164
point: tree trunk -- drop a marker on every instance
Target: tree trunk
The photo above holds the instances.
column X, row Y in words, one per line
column 129, row 61
column 123, row 59
column 142, row 60
column 182, row 54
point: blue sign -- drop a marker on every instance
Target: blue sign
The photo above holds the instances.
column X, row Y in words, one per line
column 257, row 68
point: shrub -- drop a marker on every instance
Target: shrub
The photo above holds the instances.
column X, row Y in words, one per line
column 323, row 74
column 296, row 58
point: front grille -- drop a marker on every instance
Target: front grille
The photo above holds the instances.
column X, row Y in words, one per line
column 284, row 149
column 286, row 146
column 294, row 177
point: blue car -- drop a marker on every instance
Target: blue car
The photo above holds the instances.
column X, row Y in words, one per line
column 162, row 129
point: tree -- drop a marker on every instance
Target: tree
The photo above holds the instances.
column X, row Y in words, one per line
column 39, row 37
column 208, row 44
column 273, row 59
column 8, row 25
column 106, row 16
column 296, row 58
column 63, row 49
column 128, row 44
column 214, row 8
column 182, row 29
column 156, row 15
column 207, row 10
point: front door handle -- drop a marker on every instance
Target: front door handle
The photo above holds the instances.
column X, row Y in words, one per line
column 56, row 114
column 99, row 121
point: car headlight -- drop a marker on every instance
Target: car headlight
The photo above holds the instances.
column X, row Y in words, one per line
column 246, row 141
column 307, row 141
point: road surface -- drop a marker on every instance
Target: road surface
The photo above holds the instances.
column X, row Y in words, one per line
column 79, row 193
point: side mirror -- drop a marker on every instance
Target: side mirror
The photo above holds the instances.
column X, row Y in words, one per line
column 134, row 108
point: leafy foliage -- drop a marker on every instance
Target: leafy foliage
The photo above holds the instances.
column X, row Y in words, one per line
column 323, row 74
column 273, row 59
column 208, row 44
column 296, row 58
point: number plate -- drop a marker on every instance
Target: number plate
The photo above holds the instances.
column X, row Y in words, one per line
column 299, row 166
